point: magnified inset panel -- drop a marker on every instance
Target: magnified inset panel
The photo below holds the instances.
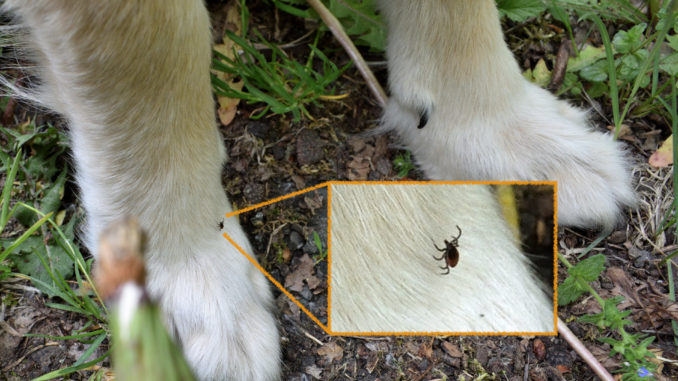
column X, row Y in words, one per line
column 438, row 258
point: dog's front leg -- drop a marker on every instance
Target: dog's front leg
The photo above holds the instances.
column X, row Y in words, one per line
column 452, row 75
column 132, row 79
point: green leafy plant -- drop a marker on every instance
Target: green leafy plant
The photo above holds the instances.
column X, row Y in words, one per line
column 520, row 10
column 618, row 10
column 632, row 347
column 403, row 164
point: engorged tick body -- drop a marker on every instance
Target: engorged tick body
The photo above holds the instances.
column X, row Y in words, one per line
column 451, row 254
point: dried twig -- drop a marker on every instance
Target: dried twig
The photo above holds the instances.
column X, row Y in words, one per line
column 584, row 353
column 335, row 26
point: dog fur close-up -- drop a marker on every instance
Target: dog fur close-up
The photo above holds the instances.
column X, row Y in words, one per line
column 130, row 84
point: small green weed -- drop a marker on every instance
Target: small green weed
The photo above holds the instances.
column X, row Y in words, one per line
column 403, row 164
column 632, row 347
column 322, row 254
column 618, row 10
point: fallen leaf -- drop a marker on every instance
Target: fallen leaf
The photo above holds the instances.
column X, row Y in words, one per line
column 331, row 352
column 314, row 371
column 663, row 157
column 303, row 272
column 539, row 349
column 452, row 350
column 314, row 201
column 426, row 350
column 286, row 255
column 541, row 74
column 603, row 356
column 294, row 308
column 372, row 363
column 358, row 168
column 560, row 66
column 624, row 130
column 299, row 182
column 623, row 281
column 228, row 106
column 356, row 144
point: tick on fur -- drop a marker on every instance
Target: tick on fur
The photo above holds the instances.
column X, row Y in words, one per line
column 221, row 225
column 451, row 254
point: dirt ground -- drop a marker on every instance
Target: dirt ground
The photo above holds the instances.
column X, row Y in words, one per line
column 274, row 156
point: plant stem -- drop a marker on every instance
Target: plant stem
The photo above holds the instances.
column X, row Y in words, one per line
column 335, row 26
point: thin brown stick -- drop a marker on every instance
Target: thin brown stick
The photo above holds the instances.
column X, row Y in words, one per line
column 30, row 351
column 345, row 41
column 584, row 353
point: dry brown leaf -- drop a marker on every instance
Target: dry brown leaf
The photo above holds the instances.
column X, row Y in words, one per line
column 229, row 106
column 331, row 352
column 624, row 130
column 426, row 350
column 603, row 356
column 372, row 363
column 626, row 285
column 380, row 146
column 452, row 350
column 303, row 272
column 299, row 181
column 560, row 67
column 314, row 201
column 539, row 349
column 286, row 255
column 663, row 157
column 358, row 168
column 356, row 144
column 314, row 371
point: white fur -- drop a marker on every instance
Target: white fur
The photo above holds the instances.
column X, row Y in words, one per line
column 132, row 79
column 385, row 279
column 486, row 122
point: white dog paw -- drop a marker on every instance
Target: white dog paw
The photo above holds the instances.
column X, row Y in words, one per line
column 219, row 307
column 531, row 136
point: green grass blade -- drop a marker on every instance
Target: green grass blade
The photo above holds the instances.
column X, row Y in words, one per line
column 7, row 192
column 71, row 369
column 611, row 73
column 95, row 344
column 24, row 236
column 659, row 42
column 75, row 254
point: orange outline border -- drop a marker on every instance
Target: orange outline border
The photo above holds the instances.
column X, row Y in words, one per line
column 328, row 184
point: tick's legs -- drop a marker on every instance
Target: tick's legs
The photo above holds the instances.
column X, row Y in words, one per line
column 455, row 239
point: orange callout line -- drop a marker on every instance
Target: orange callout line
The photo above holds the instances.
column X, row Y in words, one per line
column 327, row 328
column 555, row 255
column 247, row 209
column 277, row 284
